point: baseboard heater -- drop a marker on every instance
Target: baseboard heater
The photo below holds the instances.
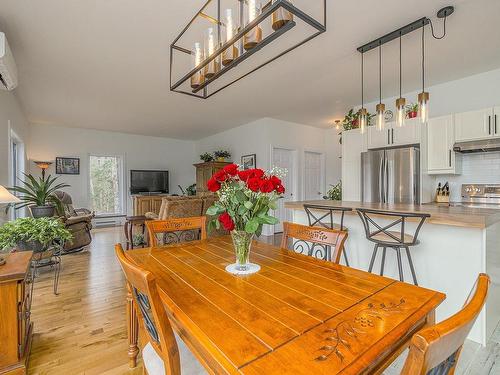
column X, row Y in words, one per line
column 102, row 222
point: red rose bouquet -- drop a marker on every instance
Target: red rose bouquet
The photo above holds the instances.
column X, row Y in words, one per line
column 245, row 199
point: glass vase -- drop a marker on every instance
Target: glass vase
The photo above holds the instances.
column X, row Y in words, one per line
column 242, row 243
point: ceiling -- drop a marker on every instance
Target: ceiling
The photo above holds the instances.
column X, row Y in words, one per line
column 104, row 64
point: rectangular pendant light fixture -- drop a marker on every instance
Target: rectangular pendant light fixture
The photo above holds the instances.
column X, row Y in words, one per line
column 235, row 30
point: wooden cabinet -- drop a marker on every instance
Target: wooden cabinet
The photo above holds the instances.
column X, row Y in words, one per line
column 475, row 125
column 393, row 135
column 441, row 159
column 204, row 172
column 353, row 144
column 16, row 329
column 147, row 203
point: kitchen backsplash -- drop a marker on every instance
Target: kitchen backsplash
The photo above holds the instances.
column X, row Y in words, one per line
column 481, row 168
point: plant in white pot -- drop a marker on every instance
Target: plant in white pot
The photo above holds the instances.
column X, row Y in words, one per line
column 38, row 194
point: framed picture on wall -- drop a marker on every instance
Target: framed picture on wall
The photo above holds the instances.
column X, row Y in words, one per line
column 249, row 161
column 67, row 165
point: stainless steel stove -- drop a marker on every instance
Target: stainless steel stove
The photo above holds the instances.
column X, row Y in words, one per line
column 480, row 196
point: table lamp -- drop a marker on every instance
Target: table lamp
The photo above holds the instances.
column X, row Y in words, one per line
column 43, row 165
column 6, row 198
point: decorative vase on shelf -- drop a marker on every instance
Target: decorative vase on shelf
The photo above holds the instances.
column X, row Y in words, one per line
column 242, row 243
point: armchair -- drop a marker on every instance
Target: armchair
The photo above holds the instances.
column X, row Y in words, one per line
column 78, row 221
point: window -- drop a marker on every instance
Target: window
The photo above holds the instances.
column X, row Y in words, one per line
column 106, row 185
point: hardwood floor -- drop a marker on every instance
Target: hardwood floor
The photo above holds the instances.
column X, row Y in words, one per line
column 82, row 330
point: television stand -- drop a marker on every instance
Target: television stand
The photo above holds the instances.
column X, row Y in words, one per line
column 147, row 203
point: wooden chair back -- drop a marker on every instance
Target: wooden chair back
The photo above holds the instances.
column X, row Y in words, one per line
column 150, row 308
column 435, row 350
column 314, row 241
column 177, row 230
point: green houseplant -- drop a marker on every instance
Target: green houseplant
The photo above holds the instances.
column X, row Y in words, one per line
column 38, row 195
column 222, row 155
column 351, row 120
column 33, row 234
column 335, row 193
column 207, row 157
column 412, row 110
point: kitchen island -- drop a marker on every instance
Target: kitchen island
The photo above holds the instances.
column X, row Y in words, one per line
column 456, row 244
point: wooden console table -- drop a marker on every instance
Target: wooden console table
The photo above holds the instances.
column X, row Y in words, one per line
column 16, row 330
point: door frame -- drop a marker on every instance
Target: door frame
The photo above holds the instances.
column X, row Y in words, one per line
column 13, row 137
column 323, row 170
column 295, row 169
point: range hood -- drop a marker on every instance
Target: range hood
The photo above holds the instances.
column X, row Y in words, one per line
column 485, row 145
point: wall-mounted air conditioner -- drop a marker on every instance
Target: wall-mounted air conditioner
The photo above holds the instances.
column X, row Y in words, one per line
column 8, row 70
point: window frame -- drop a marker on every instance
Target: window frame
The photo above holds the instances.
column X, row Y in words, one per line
column 122, row 186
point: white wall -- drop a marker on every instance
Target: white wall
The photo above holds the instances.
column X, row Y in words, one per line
column 139, row 152
column 260, row 136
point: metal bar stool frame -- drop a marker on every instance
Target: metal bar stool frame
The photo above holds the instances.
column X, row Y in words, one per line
column 395, row 242
column 317, row 220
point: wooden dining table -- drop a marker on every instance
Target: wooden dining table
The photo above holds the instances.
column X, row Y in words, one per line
column 297, row 315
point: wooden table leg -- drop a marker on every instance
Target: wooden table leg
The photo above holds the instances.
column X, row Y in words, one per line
column 132, row 329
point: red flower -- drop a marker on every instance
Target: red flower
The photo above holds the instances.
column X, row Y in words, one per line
column 256, row 173
column 266, row 186
column 280, row 189
column 275, row 180
column 226, row 221
column 244, row 175
column 220, row 176
column 253, row 184
column 213, row 185
column 231, row 169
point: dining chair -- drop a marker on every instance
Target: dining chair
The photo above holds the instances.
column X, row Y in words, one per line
column 435, row 350
column 323, row 216
column 392, row 234
column 162, row 354
column 176, row 230
column 314, row 241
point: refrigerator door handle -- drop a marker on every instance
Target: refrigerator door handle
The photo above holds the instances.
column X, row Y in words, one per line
column 381, row 181
column 386, row 200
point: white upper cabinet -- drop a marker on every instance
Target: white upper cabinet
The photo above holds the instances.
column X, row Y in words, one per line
column 496, row 122
column 440, row 139
column 474, row 125
column 393, row 135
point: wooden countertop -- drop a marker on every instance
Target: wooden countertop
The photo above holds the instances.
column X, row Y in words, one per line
column 442, row 215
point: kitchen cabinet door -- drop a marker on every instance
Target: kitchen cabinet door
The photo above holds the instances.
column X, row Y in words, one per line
column 353, row 144
column 496, row 122
column 378, row 138
column 441, row 159
column 408, row 134
column 473, row 125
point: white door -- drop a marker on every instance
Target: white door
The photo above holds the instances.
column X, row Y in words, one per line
column 409, row 134
column 440, row 155
column 284, row 158
column 314, row 178
column 474, row 125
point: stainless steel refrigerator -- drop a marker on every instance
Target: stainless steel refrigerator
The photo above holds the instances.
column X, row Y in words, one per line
column 391, row 175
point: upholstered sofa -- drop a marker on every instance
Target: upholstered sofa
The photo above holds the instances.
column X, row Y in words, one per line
column 78, row 221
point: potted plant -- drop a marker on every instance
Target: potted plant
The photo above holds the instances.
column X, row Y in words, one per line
column 335, row 193
column 351, row 120
column 38, row 195
column 207, row 157
column 245, row 198
column 191, row 190
column 222, row 155
column 411, row 110
column 33, row 234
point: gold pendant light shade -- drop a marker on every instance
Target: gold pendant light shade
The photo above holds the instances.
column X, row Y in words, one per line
column 280, row 18
column 363, row 120
column 423, row 107
column 380, row 116
column 400, row 111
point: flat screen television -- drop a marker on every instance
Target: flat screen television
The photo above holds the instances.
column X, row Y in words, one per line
column 142, row 181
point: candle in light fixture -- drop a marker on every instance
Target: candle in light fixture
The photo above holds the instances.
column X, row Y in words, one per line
column 254, row 36
column 231, row 52
column 281, row 17
column 213, row 66
column 197, row 78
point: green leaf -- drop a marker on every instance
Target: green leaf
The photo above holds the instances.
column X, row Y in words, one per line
column 273, row 205
column 258, row 232
column 212, row 225
column 248, row 205
column 252, row 226
column 240, row 196
column 214, row 210
column 242, row 210
column 266, row 219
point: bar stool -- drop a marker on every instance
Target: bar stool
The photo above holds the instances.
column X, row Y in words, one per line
column 324, row 218
column 388, row 236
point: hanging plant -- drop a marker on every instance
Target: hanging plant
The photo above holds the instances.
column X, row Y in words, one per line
column 351, row 120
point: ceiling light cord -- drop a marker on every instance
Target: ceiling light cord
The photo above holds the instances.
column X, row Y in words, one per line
column 380, row 73
column 362, row 81
column 423, row 59
column 444, row 29
column 400, row 69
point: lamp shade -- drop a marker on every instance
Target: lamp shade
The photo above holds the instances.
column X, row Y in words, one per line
column 6, row 197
